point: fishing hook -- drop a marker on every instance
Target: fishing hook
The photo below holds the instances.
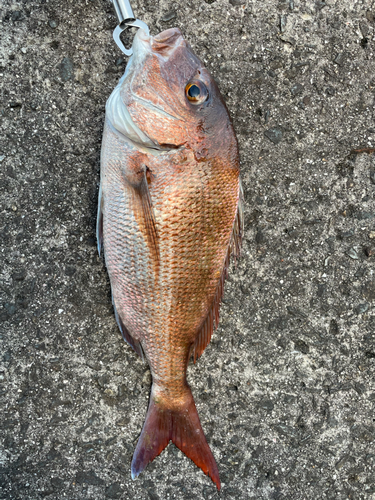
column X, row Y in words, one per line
column 126, row 20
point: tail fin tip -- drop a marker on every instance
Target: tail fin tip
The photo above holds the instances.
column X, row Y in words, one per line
column 134, row 473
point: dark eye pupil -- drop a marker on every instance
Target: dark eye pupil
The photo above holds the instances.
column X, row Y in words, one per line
column 194, row 91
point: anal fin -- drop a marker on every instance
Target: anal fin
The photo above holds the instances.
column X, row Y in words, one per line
column 99, row 222
column 134, row 344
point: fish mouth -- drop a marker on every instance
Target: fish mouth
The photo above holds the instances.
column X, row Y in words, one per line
column 168, row 35
column 164, row 43
column 167, row 40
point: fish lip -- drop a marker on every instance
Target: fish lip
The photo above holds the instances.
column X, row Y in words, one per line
column 169, row 36
column 167, row 41
column 163, row 43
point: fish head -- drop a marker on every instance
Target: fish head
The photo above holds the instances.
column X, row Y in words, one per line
column 173, row 99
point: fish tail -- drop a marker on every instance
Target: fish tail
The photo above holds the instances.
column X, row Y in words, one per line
column 180, row 425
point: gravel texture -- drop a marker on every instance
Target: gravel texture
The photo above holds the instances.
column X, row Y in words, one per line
column 285, row 391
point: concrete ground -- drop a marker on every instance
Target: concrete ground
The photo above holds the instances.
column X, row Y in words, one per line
column 285, row 391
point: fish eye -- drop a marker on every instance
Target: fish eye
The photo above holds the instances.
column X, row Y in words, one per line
column 196, row 92
column 193, row 92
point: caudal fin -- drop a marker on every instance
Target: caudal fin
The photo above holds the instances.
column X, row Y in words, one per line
column 183, row 428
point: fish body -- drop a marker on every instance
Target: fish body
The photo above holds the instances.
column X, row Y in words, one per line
column 169, row 218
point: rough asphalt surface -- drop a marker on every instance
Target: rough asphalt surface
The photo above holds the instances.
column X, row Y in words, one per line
column 285, row 391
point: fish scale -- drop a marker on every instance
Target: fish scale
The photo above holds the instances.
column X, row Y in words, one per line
column 169, row 219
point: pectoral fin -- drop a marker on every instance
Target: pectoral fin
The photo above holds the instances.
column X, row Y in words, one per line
column 137, row 178
column 145, row 211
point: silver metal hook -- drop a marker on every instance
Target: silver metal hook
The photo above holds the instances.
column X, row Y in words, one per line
column 126, row 20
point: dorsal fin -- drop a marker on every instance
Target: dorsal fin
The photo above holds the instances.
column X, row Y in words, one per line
column 212, row 320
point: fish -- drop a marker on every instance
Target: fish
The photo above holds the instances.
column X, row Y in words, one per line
column 169, row 219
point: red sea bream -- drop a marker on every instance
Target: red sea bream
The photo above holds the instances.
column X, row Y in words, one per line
column 169, row 219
